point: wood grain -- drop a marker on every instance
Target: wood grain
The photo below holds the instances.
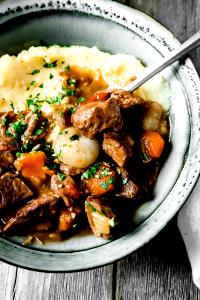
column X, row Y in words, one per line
column 20, row 284
column 158, row 271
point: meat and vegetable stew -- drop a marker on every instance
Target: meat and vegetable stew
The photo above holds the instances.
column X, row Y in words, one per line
column 119, row 142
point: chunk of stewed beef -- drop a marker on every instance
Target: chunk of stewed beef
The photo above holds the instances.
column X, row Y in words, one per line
column 6, row 159
column 131, row 189
column 12, row 190
column 125, row 99
column 65, row 188
column 118, row 146
column 44, row 207
column 7, row 137
column 94, row 117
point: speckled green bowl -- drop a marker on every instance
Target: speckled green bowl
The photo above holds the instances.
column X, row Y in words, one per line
column 115, row 28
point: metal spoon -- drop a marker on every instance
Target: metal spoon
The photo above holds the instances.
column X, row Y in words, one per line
column 186, row 47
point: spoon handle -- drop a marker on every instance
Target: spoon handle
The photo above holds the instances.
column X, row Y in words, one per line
column 186, row 47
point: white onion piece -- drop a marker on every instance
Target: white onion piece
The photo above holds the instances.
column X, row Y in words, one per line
column 79, row 153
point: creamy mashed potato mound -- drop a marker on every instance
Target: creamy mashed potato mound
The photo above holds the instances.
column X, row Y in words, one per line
column 17, row 83
column 40, row 72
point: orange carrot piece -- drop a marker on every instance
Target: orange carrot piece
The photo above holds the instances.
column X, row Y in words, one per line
column 153, row 143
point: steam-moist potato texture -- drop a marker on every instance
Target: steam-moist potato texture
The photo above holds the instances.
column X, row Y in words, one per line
column 75, row 148
column 40, row 71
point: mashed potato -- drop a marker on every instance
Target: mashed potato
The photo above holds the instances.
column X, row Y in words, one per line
column 40, row 73
column 26, row 75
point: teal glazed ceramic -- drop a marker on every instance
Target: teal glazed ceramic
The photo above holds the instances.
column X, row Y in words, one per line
column 118, row 29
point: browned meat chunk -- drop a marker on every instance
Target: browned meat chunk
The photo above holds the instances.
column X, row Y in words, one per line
column 65, row 188
column 94, row 117
column 12, row 190
column 6, row 159
column 130, row 189
column 31, row 119
column 125, row 99
column 154, row 118
column 33, row 211
column 36, row 127
column 118, row 147
column 7, row 139
column 70, row 170
column 101, row 217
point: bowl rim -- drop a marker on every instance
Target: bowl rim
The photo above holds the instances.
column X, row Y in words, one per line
column 19, row 255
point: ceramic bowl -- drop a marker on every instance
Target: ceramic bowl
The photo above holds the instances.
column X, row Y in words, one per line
column 118, row 29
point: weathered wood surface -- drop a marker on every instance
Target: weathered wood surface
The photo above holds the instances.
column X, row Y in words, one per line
column 158, row 271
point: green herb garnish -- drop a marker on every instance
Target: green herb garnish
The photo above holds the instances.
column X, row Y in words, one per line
column 32, row 83
column 125, row 180
column 67, row 68
column 71, row 81
column 90, row 206
column 74, row 137
column 67, row 91
column 91, row 171
column 72, row 110
column 3, row 121
column 19, row 126
column 39, row 131
column 61, row 176
column 41, row 86
column 80, row 100
column 35, row 72
column 50, row 76
column 50, row 65
column 12, row 105
column 18, row 154
column 104, row 185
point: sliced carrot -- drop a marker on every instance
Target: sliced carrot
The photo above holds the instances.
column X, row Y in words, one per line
column 32, row 167
column 99, row 96
column 152, row 144
column 101, row 181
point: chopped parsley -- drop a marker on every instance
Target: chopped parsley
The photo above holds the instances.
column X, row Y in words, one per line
column 42, row 128
column 111, row 180
column 74, row 137
column 50, row 65
column 72, row 110
column 125, row 180
column 55, row 100
column 50, row 76
column 89, row 173
column 18, row 154
column 68, row 92
column 12, row 105
column 88, row 204
column 39, row 131
column 61, row 176
column 32, row 83
column 105, row 171
column 80, row 100
column 34, row 104
column 19, row 126
column 71, row 81
column 3, row 121
column 67, row 68
column 35, row 72
column 104, row 185
column 41, row 86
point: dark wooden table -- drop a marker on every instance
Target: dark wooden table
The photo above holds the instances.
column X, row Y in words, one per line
column 159, row 270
